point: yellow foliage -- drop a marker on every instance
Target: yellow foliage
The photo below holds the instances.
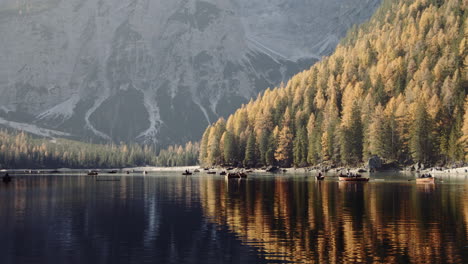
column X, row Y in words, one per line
column 409, row 53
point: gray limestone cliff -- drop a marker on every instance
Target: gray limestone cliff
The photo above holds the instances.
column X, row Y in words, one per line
column 154, row 71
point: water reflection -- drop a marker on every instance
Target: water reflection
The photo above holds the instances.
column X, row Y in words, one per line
column 301, row 220
column 70, row 219
column 168, row 218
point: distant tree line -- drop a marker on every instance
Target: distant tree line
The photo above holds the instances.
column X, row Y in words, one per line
column 395, row 87
column 20, row 150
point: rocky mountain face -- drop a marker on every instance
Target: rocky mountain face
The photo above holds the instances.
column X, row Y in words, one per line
column 154, row 71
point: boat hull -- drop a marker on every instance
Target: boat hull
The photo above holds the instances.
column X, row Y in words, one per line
column 425, row 180
column 353, row 179
column 236, row 175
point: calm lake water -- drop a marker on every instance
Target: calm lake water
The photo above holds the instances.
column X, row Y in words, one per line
column 168, row 218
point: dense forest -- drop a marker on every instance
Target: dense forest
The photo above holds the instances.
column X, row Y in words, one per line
column 20, row 150
column 179, row 155
column 395, row 87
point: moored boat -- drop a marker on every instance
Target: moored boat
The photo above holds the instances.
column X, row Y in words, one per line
column 320, row 176
column 352, row 178
column 222, row 173
column 236, row 175
column 272, row 169
column 355, row 179
column 425, row 178
column 92, row 173
column 232, row 176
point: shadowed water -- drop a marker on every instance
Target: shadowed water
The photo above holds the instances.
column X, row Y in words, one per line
column 167, row 218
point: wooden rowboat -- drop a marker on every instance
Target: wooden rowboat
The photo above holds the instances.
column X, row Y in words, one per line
column 232, row 176
column 425, row 180
column 353, row 179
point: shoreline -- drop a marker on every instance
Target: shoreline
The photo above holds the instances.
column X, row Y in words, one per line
column 434, row 171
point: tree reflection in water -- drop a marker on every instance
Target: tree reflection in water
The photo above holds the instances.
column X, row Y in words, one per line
column 297, row 219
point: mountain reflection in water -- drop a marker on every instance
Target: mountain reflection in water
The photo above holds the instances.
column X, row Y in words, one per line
column 167, row 218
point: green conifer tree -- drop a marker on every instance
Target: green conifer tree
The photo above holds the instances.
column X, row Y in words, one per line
column 251, row 151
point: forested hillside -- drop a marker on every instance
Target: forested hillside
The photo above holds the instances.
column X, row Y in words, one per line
column 20, row 150
column 395, row 87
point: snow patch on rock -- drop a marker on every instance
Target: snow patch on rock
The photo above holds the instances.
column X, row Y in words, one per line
column 33, row 129
column 63, row 110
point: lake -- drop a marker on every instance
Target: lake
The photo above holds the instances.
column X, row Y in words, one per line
column 267, row 218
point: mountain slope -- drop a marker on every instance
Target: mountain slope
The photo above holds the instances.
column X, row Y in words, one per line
column 155, row 71
column 395, row 88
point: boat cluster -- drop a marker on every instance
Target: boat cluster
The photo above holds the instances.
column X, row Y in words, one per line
column 241, row 173
column 236, row 175
column 97, row 172
column 229, row 175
